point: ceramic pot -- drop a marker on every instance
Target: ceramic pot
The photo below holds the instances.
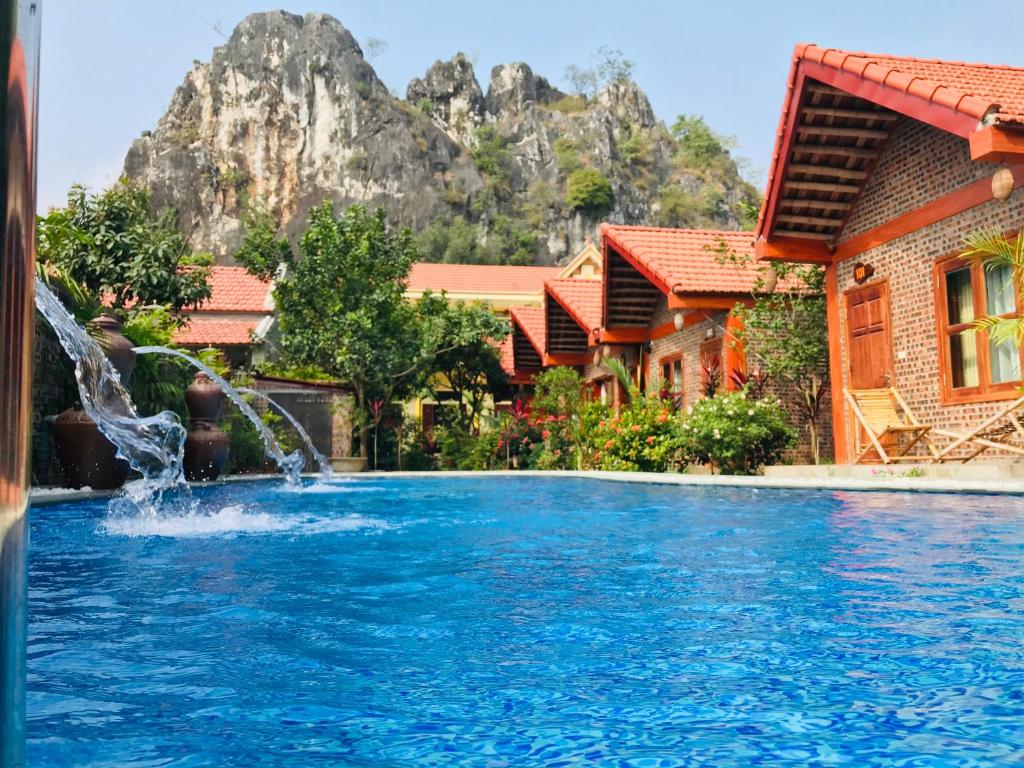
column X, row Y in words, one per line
column 116, row 347
column 85, row 455
column 206, row 450
column 203, row 398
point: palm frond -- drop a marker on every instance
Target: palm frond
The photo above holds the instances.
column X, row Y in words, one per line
column 1001, row 330
column 993, row 249
column 620, row 372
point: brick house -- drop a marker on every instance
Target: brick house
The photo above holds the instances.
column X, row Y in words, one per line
column 882, row 165
column 666, row 306
column 238, row 314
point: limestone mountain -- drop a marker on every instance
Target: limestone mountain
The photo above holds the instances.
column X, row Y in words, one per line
column 289, row 113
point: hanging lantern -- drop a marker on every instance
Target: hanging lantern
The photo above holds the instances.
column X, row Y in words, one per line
column 771, row 279
column 1002, row 184
column 678, row 320
column 597, row 357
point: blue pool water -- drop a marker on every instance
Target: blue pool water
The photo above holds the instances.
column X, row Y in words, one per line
column 530, row 622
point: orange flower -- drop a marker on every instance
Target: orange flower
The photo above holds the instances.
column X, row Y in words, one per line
column 609, row 444
column 636, row 427
column 650, row 439
column 662, row 417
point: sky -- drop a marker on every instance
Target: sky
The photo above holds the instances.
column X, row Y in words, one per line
column 110, row 67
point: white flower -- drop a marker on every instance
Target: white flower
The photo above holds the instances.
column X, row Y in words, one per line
column 731, row 412
column 717, row 434
column 750, row 412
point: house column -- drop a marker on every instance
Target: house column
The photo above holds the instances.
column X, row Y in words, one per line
column 835, row 365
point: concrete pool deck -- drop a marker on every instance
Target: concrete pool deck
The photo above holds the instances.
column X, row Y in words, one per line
column 995, row 478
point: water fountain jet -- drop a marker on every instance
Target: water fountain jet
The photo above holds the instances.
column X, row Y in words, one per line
column 291, row 465
column 326, row 471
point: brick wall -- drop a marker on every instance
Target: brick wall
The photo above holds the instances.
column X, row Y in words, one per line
column 919, row 164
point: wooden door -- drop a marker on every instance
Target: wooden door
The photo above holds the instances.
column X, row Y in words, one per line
column 870, row 348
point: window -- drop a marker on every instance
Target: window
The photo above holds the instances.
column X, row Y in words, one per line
column 672, row 374
column 973, row 367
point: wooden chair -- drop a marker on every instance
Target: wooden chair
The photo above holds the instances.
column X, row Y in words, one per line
column 1002, row 432
column 890, row 426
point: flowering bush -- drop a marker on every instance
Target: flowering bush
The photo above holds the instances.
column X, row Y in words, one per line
column 519, row 439
column 735, row 433
column 641, row 436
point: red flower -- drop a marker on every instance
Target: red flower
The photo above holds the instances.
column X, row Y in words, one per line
column 650, row 439
column 545, row 434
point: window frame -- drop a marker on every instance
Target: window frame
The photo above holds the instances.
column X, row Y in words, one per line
column 985, row 391
column 669, row 362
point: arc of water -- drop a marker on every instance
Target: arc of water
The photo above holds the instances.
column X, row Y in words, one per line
column 326, row 471
column 152, row 445
column 291, row 464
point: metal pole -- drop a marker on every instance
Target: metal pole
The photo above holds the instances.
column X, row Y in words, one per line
column 19, row 66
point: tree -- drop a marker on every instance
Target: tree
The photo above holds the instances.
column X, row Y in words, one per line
column 995, row 251
column 114, row 245
column 589, row 190
column 610, row 66
column 786, row 332
column 697, row 144
column 341, row 309
column 262, row 251
column 467, row 361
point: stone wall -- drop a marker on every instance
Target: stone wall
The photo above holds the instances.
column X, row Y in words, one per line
column 53, row 391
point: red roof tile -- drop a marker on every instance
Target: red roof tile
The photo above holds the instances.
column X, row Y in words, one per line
column 958, row 96
column 508, row 360
column 976, row 90
column 532, row 322
column 235, row 290
column 684, row 260
column 479, row 278
column 206, row 331
column 580, row 298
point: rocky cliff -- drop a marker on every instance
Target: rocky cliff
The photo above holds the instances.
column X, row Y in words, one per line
column 289, row 113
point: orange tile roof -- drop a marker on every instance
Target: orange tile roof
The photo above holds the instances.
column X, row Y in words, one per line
column 951, row 95
column 508, row 360
column 479, row 278
column 976, row 90
column 207, row 331
column 232, row 289
column 684, row 260
column 580, row 298
column 532, row 322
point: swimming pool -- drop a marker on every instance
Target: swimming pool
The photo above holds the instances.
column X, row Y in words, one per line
column 500, row 621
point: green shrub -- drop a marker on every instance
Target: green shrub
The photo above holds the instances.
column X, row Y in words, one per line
column 735, row 434
column 491, row 154
column 641, row 436
column 567, row 154
column 589, row 190
column 697, row 145
column 569, row 104
column 459, row 449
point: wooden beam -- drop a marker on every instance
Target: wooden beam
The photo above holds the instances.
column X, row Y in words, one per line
column 823, row 89
column 810, row 202
column 839, row 131
column 624, row 335
column 567, row 359
column 799, row 251
column 955, row 202
column 857, row 114
column 994, row 144
column 823, row 186
column 799, row 233
column 823, row 149
column 827, row 170
column 697, row 301
column 814, row 221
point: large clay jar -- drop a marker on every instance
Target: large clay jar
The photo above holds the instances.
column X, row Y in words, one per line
column 206, row 451
column 86, row 457
column 116, row 347
column 203, row 398
column 206, row 445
